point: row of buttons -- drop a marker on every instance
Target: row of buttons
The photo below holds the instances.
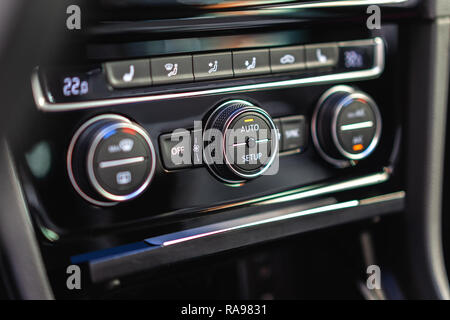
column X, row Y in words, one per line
column 222, row 65
column 184, row 149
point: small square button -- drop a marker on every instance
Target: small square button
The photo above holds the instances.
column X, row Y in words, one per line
column 173, row 69
column 213, row 66
column 321, row 55
column 176, row 150
column 287, row 59
column 129, row 73
column 251, row 62
column 293, row 132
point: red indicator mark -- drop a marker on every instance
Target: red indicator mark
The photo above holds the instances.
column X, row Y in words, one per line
column 129, row 131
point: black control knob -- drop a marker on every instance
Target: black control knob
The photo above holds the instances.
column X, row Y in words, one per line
column 240, row 142
column 346, row 126
column 110, row 159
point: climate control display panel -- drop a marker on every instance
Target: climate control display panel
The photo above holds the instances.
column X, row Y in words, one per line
column 141, row 144
column 111, row 159
column 178, row 76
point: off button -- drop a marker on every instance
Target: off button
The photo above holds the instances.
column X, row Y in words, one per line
column 176, row 150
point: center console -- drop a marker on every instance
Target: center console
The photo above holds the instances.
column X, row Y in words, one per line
column 169, row 144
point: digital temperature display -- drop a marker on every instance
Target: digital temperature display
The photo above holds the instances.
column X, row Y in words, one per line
column 75, row 86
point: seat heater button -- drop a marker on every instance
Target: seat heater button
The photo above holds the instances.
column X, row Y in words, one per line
column 251, row 62
column 174, row 69
column 321, row 55
column 213, row 66
column 128, row 74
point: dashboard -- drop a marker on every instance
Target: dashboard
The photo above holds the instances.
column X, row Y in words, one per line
column 225, row 149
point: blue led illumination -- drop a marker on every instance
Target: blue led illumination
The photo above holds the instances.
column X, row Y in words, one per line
column 109, row 134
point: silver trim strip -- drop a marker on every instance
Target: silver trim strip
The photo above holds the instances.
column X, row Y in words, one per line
column 326, row 208
column 311, row 191
column 348, row 204
column 337, row 187
column 115, row 163
column 375, row 71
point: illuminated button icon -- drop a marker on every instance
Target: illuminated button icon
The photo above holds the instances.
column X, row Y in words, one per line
column 321, row 55
column 126, row 145
column 251, row 62
column 251, row 65
column 127, row 77
column 287, row 59
column 353, row 59
column 171, row 69
column 292, row 133
column 213, row 66
column 123, row 177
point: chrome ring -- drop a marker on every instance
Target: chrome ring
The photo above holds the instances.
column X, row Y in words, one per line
column 336, row 162
column 114, row 198
column 352, row 94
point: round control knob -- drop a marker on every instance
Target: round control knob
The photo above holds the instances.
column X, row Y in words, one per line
column 240, row 141
column 346, row 126
column 110, row 159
